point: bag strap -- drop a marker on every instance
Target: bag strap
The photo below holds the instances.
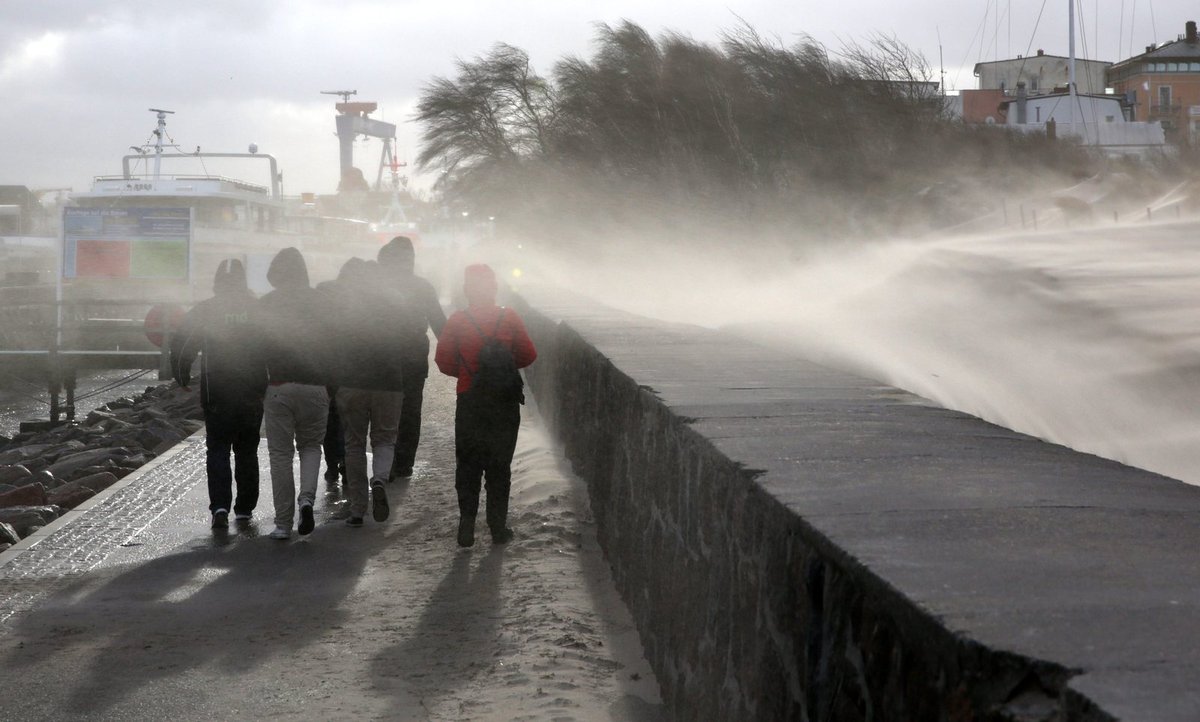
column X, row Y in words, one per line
column 478, row 328
column 495, row 332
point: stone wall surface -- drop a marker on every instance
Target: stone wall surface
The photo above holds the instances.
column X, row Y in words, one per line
column 800, row 543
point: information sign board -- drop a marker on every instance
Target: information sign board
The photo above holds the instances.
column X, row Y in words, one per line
column 127, row 243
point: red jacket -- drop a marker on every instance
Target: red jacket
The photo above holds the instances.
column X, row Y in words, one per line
column 460, row 341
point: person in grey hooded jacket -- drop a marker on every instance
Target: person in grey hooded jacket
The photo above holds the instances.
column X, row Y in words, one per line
column 295, row 326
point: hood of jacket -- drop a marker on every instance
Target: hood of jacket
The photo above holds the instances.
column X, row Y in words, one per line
column 230, row 279
column 398, row 257
column 288, row 270
column 479, row 285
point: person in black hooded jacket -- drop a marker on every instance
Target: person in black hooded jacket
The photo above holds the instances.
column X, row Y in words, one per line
column 368, row 370
column 233, row 380
column 420, row 311
column 295, row 325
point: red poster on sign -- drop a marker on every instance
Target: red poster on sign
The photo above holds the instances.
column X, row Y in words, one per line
column 102, row 259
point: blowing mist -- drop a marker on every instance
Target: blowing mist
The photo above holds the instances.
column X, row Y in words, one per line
column 754, row 187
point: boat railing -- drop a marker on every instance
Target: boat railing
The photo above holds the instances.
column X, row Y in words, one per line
column 191, row 177
column 276, row 176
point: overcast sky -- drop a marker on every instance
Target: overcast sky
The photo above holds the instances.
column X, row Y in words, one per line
column 77, row 76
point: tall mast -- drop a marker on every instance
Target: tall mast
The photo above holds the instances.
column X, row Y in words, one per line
column 1071, row 61
column 159, row 133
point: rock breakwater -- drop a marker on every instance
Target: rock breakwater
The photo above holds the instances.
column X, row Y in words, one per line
column 45, row 473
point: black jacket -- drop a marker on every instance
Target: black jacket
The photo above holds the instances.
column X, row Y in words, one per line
column 222, row 329
column 370, row 341
column 420, row 311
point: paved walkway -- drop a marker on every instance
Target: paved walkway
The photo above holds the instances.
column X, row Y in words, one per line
column 131, row 608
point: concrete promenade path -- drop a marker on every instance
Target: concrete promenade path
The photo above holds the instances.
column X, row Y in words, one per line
column 132, row 608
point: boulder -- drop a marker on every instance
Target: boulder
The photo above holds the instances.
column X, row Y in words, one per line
column 45, row 478
column 128, row 437
column 191, row 426
column 135, row 461
column 8, row 536
column 28, row 495
column 97, row 482
column 164, row 447
column 21, row 453
column 82, row 434
column 5, row 488
column 108, row 465
column 152, row 412
column 59, row 449
column 79, row 460
column 11, row 473
column 111, row 426
column 70, row 495
column 27, row 519
column 96, row 417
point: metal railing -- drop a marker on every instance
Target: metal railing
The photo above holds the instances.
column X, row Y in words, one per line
column 56, row 341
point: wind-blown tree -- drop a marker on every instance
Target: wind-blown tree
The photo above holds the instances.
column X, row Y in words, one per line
column 683, row 135
column 482, row 127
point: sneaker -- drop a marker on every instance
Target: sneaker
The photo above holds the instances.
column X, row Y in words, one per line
column 354, row 521
column 379, row 502
column 502, row 536
column 220, row 519
column 466, row 531
column 243, row 516
column 400, row 474
column 281, row 533
column 306, row 520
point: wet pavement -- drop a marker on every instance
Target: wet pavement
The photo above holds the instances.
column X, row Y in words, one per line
column 131, row 608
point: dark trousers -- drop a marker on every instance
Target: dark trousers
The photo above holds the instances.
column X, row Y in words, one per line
column 485, row 437
column 234, row 430
column 409, row 433
column 334, row 445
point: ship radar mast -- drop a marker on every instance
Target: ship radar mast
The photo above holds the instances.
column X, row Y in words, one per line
column 159, row 133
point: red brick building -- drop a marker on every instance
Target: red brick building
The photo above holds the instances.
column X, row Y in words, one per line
column 1163, row 84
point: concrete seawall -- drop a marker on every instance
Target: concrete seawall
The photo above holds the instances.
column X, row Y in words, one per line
column 800, row 543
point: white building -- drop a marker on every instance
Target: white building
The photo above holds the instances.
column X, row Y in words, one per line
column 1098, row 120
column 1041, row 74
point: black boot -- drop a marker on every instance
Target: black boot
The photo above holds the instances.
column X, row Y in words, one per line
column 466, row 531
column 497, row 519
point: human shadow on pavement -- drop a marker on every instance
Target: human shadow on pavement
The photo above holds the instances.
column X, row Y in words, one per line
column 213, row 611
column 455, row 638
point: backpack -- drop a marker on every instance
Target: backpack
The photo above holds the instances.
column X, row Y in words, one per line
column 497, row 377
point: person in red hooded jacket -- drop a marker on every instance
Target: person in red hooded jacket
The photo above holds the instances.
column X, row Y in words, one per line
column 485, row 425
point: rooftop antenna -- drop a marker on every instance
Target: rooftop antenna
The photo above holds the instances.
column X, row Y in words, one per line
column 159, row 133
column 941, row 60
column 1071, row 62
column 344, row 93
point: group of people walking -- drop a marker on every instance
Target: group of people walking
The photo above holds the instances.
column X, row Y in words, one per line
column 343, row 365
